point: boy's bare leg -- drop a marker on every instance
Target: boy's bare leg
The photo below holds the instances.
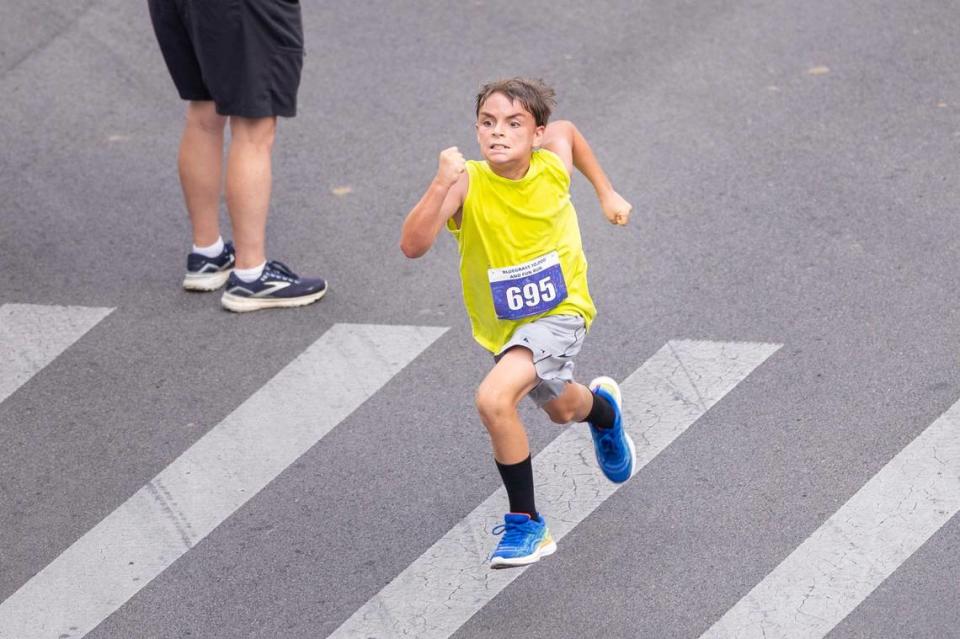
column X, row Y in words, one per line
column 200, row 164
column 615, row 450
column 573, row 405
column 497, row 398
column 248, row 186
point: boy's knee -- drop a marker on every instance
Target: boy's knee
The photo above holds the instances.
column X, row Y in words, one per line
column 560, row 414
column 572, row 405
column 492, row 405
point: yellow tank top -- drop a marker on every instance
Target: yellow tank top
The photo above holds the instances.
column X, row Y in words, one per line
column 521, row 257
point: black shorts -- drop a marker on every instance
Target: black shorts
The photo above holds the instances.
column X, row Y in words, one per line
column 245, row 55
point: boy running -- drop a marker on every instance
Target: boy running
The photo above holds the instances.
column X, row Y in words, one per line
column 524, row 278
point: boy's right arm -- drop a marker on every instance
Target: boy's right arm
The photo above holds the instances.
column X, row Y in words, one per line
column 442, row 200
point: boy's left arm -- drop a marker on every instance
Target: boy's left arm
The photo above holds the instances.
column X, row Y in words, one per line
column 563, row 138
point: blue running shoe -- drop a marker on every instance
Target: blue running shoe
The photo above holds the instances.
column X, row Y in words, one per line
column 209, row 273
column 524, row 541
column 614, row 447
column 276, row 287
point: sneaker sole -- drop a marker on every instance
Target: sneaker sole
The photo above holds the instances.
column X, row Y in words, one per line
column 239, row 304
column 610, row 383
column 633, row 455
column 513, row 562
column 205, row 281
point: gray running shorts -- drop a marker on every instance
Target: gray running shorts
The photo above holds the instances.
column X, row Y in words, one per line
column 554, row 340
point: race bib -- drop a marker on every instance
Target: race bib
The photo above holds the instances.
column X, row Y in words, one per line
column 529, row 288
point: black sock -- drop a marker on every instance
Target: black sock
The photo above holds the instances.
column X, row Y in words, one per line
column 518, row 480
column 602, row 414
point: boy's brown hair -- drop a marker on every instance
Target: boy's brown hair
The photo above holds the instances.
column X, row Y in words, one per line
column 535, row 96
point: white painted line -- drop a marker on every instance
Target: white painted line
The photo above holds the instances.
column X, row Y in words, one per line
column 844, row 560
column 211, row 480
column 451, row 581
column 32, row 335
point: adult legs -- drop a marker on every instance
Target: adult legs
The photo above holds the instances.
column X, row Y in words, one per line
column 200, row 163
column 248, row 186
column 248, row 180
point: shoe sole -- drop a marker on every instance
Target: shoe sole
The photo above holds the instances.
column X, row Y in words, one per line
column 608, row 383
column 205, row 281
column 513, row 562
column 633, row 455
column 239, row 304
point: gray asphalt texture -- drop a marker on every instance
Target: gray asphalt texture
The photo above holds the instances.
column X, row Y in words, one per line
column 816, row 211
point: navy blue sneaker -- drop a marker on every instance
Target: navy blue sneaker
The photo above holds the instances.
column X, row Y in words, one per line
column 276, row 287
column 209, row 273
column 524, row 541
column 614, row 447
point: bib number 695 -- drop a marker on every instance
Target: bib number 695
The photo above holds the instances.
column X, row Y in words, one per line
column 531, row 294
column 531, row 288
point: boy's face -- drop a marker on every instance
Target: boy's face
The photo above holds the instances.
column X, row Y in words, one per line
column 507, row 132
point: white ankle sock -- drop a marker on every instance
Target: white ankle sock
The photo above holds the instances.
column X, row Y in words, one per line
column 213, row 250
column 249, row 274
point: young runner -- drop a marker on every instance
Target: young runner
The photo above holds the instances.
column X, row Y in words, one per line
column 524, row 278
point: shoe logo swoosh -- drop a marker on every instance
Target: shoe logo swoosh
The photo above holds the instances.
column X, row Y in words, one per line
column 273, row 288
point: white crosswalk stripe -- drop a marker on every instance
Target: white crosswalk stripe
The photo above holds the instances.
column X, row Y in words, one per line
column 451, row 581
column 211, row 480
column 844, row 560
column 32, row 336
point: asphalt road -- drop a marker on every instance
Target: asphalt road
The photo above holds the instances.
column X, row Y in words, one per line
column 794, row 172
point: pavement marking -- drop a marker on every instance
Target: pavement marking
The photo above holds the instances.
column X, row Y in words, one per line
column 32, row 335
column 844, row 560
column 211, row 480
column 450, row 582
